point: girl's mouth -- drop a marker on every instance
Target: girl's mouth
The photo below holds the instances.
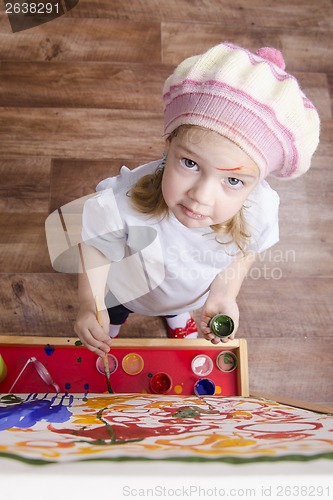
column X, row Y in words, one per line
column 192, row 215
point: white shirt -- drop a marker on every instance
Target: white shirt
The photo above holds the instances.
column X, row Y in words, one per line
column 159, row 266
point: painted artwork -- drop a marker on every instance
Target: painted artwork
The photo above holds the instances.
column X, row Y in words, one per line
column 44, row 428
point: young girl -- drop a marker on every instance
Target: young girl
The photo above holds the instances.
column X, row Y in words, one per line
column 181, row 233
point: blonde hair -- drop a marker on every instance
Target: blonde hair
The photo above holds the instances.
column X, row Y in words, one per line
column 147, row 198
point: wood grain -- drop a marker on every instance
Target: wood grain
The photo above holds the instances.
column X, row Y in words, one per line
column 23, row 243
column 295, row 46
column 83, row 85
column 288, row 307
column 66, row 39
column 25, row 184
column 299, row 369
column 245, row 14
column 72, row 179
column 79, row 133
column 38, row 304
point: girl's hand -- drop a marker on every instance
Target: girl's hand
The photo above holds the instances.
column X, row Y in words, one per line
column 94, row 336
column 215, row 305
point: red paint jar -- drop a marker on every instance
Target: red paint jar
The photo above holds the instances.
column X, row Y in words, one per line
column 160, row 383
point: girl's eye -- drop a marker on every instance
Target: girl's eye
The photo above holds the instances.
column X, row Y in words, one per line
column 190, row 164
column 234, row 183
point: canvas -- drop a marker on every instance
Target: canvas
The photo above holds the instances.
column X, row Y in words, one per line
column 42, row 429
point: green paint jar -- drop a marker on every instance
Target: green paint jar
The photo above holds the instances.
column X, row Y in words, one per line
column 221, row 325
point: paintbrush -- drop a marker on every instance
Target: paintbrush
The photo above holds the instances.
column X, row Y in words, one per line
column 105, row 356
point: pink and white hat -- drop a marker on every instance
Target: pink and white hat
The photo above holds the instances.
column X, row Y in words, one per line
column 251, row 100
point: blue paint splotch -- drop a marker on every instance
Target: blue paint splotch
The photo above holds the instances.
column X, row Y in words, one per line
column 27, row 413
column 49, row 350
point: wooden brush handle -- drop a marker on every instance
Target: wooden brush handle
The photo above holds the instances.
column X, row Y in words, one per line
column 98, row 312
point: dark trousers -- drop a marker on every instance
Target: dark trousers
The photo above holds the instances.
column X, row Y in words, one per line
column 119, row 314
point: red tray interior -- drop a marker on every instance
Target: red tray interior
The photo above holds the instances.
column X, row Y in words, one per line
column 74, row 370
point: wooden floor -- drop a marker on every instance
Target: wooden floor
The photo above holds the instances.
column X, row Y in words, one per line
column 81, row 95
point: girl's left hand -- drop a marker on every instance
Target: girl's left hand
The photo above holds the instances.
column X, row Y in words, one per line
column 218, row 306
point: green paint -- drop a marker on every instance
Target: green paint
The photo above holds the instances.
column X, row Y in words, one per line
column 193, row 412
column 221, row 325
column 79, row 360
column 228, row 460
column 78, row 343
column 227, row 359
column 11, row 399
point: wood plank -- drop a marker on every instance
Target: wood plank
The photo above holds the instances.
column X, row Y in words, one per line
column 66, row 39
column 330, row 88
column 176, row 44
column 23, row 243
column 25, row 185
column 38, row 304
column 305, row 248
column 292, row 368
column 319, row 408
column 73, row 179
column 80, row 133
column 300, row 308
column 298, row 255
column 246, row 13
column 83, row 85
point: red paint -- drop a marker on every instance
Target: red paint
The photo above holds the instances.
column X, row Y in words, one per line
column 160, row 383
column 230, row 169
column 65, row 369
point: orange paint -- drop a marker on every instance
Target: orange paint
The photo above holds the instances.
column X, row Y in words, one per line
column 230, row 169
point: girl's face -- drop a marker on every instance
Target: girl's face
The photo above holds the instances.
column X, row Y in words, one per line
column 207, row 178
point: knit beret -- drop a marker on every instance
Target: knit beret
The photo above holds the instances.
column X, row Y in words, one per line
column 250, row 99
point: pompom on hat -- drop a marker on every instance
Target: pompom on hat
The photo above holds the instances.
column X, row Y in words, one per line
column 250, row 99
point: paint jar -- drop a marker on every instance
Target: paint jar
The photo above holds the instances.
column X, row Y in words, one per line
column 132, row 363
column 202, row 365
column 204, row 387
column 160, row 383
column 226, row 361
column 221, row 325
column 3, row 369
column 112, row 361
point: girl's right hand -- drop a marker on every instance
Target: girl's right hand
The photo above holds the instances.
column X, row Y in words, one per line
column 94, row 336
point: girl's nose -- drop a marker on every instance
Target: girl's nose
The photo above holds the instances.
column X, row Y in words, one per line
column 202, row 192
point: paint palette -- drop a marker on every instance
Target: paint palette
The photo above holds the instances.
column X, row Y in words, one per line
column 160, row 366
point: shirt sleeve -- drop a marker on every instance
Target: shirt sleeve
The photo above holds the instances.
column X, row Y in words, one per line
column 262, row 216
column 127, row 178
column 102, row 225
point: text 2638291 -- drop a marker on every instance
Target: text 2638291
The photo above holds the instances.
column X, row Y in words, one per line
column 32, row 8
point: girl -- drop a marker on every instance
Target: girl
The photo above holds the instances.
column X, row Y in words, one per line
column 181, row 233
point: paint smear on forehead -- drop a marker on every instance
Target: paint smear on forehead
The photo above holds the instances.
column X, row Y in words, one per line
column 246, row 171
column 230, row 169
